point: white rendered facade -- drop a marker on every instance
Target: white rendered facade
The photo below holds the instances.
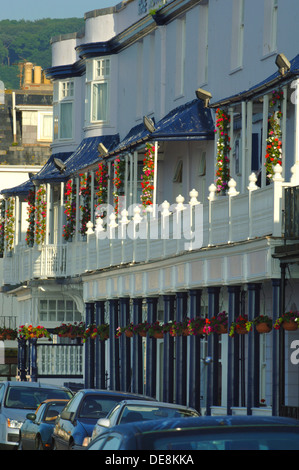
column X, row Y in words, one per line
column 129, row 65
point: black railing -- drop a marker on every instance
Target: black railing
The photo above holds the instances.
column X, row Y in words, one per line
column 291, row 213
column 289, row 411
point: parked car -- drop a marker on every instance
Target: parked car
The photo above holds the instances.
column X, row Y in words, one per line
column 204, row 433
column 74, row 426
column 128, row 411
column 36, row 431
column 16, row 399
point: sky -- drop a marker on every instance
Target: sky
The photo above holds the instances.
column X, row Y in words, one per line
column 32, row 10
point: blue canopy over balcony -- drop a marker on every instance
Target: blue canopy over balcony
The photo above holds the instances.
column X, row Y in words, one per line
column 86, row 154
column 20, row 190
column 190, row 121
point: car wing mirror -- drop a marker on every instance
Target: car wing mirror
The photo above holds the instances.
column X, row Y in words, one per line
column 105, row 422
column 31, row 416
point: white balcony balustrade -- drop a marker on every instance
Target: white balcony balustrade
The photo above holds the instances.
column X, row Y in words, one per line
column 141, row 237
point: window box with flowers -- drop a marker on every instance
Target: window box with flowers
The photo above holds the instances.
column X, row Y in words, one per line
column 31, row 217
column 40, row 216
column 289, row 321
column 274, row 150
column 148, row 170
column 9, row 228
column 70, row 210
column 8, row 334
column 28, row 331
column 223, row 149
column 85, row 206
column 70, row 330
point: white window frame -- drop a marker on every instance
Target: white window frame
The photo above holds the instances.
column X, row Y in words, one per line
column 93, row 79
column 40, row 134
column 270, row 27
column 64, row 93
column 237, row 40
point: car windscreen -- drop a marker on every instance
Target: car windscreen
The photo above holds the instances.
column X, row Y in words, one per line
column 28, row 398
column 97, row 406
column 148, row 412
column 280, row 438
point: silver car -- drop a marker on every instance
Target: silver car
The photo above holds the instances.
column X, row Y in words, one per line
column 16, row 400
column 128, row 411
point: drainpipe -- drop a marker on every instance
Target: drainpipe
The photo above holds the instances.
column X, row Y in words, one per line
column 14, row 118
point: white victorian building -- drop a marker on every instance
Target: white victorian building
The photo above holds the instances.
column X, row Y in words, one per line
column 180, row 120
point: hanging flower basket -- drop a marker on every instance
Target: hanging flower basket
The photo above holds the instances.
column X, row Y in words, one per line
column 129, row 334
column 155, row 330
column 291, row 325
column 263, row 328
column 263, row 324
column 197, row 326
column 180, row 328
column 240, row 326
column 219, row 323
column 288, row 321
column 96, row 331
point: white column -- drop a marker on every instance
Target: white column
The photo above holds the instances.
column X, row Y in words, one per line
column 92, row 196
column 18, row 220
column 135, row 178
column 248, row 158
column 48, row 212
column 231, row 136
column 60, row 224
column 243, row 157
column 283, row 130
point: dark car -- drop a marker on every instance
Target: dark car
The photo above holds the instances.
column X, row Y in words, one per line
column 74, row 426
column 36, row 431
column 204, row 433
column 16, row 400
column 128, row 411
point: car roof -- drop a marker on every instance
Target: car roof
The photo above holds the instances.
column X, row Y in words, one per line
column 156, row 403
column 34, row 385
column 111, row 393
column 201, row 423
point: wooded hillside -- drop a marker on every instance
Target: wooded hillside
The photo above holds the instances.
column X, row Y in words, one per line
column 29, row 41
